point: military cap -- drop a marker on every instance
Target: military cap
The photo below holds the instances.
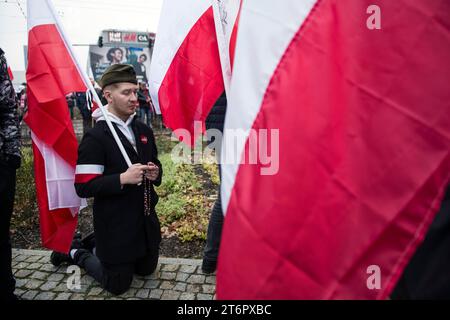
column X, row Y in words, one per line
column 118, row 73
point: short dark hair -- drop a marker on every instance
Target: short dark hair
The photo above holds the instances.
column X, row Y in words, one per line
column 111, row 86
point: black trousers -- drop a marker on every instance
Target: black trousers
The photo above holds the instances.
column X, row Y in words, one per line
column 427, row 276
column 116, row 278
column 7, row 192
column 214, row 233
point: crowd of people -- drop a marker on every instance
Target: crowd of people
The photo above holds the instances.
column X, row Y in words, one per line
column 84, row 102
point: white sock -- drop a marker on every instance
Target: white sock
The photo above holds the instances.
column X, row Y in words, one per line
column 94, row 251
column 72, row 253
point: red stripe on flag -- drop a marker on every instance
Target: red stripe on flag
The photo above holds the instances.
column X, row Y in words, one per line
column 83, row 178
column 193, row 82
column 51, row 74
column 51, row 70
column 363, row 163
column 57, row 226
column 94, row 106
column 11, row 76
column 50, row 121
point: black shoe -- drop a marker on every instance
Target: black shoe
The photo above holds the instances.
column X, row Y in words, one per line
column 209, row 267
column 58, row 258
column 10, row 298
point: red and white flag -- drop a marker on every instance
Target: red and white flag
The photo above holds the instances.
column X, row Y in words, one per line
column 361, row 154
column 185, row 74
column 51, row 74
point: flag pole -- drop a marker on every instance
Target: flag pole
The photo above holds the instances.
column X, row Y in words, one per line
column 88, row 83
column 222, row 46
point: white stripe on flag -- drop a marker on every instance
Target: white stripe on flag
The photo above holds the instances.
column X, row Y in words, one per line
column 176, row 20
column 59, row 176
column 89, row 169
column 40, row 14
column 225, row 14
column 257, row 55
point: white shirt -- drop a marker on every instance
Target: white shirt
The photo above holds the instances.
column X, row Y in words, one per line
column 124, row 126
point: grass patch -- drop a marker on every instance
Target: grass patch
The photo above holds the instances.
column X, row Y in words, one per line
column 213, row 172
column 25, row 219
column 184, row 205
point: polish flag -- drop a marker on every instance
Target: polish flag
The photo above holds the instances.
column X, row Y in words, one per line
column 359, row 125
column 51, row 74
column 185, row 73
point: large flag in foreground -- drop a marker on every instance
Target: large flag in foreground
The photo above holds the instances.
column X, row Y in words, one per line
column 364, row 146
column 51, row 74
column 185, row 74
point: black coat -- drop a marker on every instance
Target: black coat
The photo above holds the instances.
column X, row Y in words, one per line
column 216, row 116
column 122, row 232
column 216, row 120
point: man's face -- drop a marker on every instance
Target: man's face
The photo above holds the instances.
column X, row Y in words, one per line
column 142, row 59
column 118, row 55
column 122, row 99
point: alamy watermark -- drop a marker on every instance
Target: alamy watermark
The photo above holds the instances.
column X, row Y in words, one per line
column 374, row 20
column 74, row 280
column 255, row 147
column 374, row 280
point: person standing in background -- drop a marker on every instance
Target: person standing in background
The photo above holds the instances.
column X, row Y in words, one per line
column 215, row 120
column 145, row 112
column 9, row 163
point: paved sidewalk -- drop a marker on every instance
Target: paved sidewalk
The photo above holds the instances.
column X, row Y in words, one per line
column 174, row 279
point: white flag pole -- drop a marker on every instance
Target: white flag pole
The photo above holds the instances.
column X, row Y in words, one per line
column 221, row 22
column 87, row 82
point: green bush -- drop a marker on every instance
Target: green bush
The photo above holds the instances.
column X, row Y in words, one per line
column 184, row 205
column 195, row 223
column 213, row 171
column 171, row 208
column 164, row 143
column 25, row 204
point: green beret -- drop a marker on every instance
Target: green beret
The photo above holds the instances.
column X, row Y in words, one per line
column 118, row 73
